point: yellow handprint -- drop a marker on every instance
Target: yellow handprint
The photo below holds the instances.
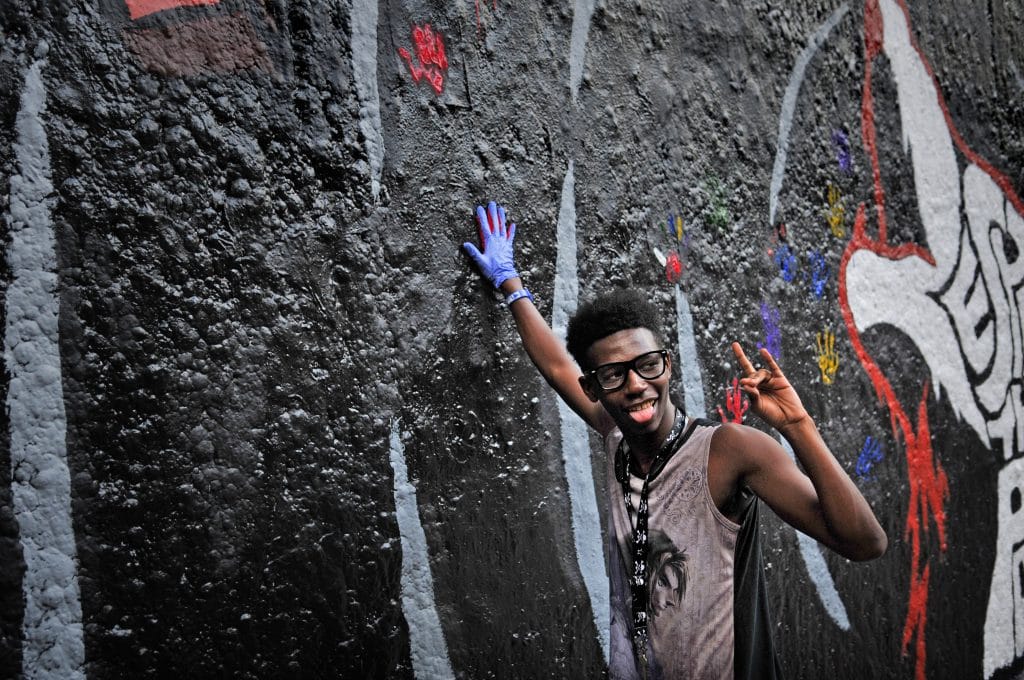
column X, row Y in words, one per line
column 828, row 358
column 836, row 211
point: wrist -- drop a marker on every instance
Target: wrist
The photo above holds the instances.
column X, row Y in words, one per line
column 518, row 295
column 802, row 426
column 511, row 285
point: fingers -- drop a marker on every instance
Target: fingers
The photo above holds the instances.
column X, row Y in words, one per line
column 497, row 225
column 744, row 362
column 474, row 253
column 512, row 231
column 481, row 222
column 492, row 222
column 770, row 360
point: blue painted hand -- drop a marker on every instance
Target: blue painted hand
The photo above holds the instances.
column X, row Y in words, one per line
column 496, row 260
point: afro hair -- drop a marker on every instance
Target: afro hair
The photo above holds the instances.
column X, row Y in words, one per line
column 618, row 310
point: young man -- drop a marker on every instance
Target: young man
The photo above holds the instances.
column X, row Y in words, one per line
column 684, row 564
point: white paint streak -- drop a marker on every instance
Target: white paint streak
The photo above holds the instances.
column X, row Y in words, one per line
column 586, row 523
column 364, row 74
column 41, row 485
column 689, row 362
column 796, row 79
column 810, row 551
column 426, row 638
column 962, row 310
column 582, row 11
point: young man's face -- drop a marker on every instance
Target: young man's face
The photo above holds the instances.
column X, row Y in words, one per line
column 640, row 406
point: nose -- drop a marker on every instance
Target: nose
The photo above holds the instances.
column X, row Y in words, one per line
column 634, row 383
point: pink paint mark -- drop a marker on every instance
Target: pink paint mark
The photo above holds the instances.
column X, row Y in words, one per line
column 141, row 8
column 431, row 60
column 736, row 403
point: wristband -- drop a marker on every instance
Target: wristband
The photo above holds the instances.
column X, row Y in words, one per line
column 521, row 293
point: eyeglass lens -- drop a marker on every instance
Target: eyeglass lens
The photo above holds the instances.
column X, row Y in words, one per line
column 648, row 366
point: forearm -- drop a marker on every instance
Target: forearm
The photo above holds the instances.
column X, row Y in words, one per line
column 848, row 518
column 549, row 355
column 544, row 348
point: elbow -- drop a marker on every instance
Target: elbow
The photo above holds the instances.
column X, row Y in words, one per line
column 871, row 548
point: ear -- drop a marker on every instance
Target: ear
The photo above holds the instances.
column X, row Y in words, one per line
column 588, row 389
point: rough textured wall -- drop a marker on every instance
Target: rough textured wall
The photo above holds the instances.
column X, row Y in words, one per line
column 263, row 420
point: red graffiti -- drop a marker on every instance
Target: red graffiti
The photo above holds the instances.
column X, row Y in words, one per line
column 476, row 3
column 928, row 483
column 430, row 55
column 141, row 8
column 736, row 402
column 673, row 267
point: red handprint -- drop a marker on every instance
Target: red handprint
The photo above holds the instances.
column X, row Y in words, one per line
column 430, row 55
column 736, row 402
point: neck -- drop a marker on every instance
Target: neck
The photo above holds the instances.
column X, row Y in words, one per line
column 644, row 448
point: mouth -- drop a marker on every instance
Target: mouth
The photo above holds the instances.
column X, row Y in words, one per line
column 643, row 412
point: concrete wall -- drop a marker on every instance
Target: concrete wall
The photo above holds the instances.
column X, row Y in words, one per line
column 264, row 420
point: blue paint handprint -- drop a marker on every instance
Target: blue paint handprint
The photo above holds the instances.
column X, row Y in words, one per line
column 819, row 273
column 870, row 454
column 785, row 259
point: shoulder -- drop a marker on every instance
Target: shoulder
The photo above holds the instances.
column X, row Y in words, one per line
column 741, row 446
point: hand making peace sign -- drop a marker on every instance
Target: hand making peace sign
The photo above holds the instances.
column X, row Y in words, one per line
column 771, row 395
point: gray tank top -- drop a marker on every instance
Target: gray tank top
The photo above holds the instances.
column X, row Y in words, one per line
column 691, row 575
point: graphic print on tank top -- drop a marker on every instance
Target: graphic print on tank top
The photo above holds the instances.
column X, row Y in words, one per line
column 689, row 567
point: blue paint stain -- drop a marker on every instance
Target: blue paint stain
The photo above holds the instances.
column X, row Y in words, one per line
column 842, row 145
column 819, row 273
column 785, row 259
column 870, row 455
column 772, row 333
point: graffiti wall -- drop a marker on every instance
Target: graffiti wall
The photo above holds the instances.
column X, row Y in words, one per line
column 263, row 418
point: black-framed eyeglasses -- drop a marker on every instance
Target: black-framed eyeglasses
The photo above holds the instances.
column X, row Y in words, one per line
column 649, row 365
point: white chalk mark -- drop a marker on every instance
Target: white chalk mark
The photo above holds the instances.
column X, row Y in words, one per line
column 364, row 74
column 53, row 646
column 586, row 523
column 426, row 638
column 810, row 551
column 796, row 79
column 689, row 362
column 582, row 11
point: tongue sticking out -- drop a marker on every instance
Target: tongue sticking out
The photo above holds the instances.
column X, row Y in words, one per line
column 644, row 415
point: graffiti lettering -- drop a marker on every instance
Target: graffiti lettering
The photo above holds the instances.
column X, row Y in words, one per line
column 836, row 214
column 956, row 299
column 828, row 357
column 431, row 60
column 735, row 402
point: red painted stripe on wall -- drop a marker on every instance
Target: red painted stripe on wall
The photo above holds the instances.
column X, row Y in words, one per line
column 141, row 8
column 226, row 44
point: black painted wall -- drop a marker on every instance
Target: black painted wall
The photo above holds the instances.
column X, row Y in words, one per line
column 243, row 315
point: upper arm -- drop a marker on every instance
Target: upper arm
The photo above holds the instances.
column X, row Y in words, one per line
column 763, row 465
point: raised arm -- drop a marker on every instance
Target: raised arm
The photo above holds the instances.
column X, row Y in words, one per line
column 825, row 503
column 547, row 352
